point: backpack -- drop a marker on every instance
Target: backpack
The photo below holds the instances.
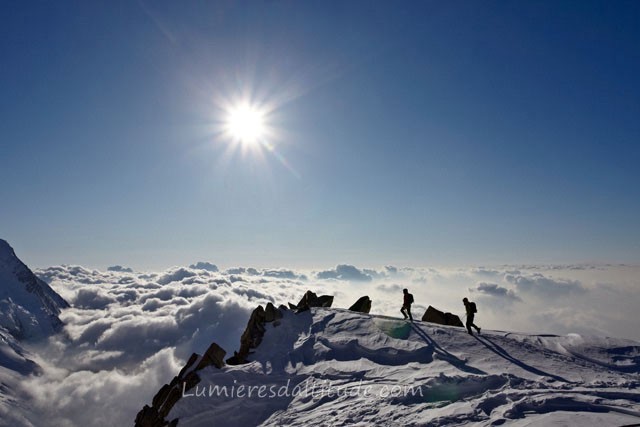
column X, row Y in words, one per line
column 410, row 298
column 473, row 308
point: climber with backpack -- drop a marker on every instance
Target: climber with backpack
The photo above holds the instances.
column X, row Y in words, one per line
column 406, row 305
column 471, row 309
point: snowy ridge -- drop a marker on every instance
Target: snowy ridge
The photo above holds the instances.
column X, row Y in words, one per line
column 337, row 367
column 13, row 357
column 29, row 308
column 15, row 366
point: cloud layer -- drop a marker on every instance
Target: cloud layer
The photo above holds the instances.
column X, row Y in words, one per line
column 128, row 333
column 494, row 290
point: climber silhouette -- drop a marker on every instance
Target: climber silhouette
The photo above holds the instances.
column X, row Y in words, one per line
column 471, row 309
column 406, row 305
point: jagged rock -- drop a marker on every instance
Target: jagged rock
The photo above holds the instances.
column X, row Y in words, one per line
column 271, row 313
column 252, row 335
column 174, row 395
column 363, row 305
column 453, row 320
column 169, row 394
column 283, row 307
column 235, row 359
column 161, row 396
column 324, row 301
column 213, row 356
column 190, row 380
column 310, row 299
column 434, row 315
column 190, row 362
column 148, row 417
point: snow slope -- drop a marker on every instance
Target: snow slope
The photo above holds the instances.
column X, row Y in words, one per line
column 336, row 367
column 29, row 308
column 15, row 366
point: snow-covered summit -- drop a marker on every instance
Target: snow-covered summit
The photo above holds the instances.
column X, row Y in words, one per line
column 337, row 367
column 29, row 308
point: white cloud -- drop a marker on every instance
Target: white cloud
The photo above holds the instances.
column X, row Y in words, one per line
column 92, row 298
column 284, row 274
column 494, row 290
column 175, row 276
column 120, row 269
column 346, row 272
column 390, row 288
column 537, row 283
column 90, row 398
column 130, row 333
column 204, row 266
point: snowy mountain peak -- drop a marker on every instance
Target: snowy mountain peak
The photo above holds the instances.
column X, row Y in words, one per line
column 6, row 252
column 338, row 367
column 29, row 308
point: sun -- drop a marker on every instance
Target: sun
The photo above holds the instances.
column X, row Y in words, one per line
column 250, row 127
column 246, row 124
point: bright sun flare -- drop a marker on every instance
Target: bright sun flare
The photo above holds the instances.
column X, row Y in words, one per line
column 246, row 124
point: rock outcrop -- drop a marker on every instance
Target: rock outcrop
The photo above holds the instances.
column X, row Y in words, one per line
column 252, row 335
column 363, row 305
column 310, row 299
column 434, row 315
column 187, row 378
column 324, row 301
column 271, row 313
column 169, row 394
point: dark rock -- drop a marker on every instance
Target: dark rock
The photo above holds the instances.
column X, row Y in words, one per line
column 169, row 394
column 363, row 305
column 147, row 417
column 213, row 356
column 433, row 315
column 453, row 320
column 191, row 380
column 324, row 301
column 252, row 335
column 235, row 359
column 310, row 299
column 174, row 395
column 190, row 362
column 271, row 313
column 161, row 396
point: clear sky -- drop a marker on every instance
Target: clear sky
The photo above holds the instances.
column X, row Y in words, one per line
column 407, row 133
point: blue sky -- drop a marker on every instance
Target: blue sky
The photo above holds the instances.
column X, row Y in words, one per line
column 417, row 133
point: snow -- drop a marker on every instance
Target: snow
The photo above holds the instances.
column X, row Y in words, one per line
column 129, row 333
column 343, row 368
column 13, row 357
column 15, row 364
column 29, row 308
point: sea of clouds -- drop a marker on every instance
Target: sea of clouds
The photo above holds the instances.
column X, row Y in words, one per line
column 129, row 332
